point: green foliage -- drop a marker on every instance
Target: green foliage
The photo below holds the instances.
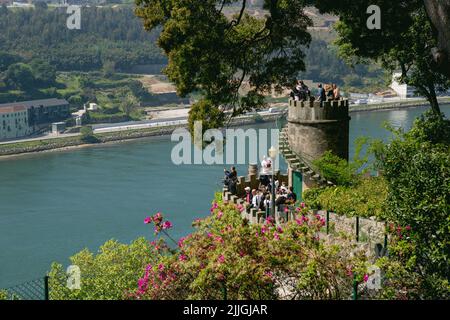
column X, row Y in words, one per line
column 87, row 135
column 227, row 254
column 106, row 275
column 7, row 59
column 404, row 41
column 364, row 199
column 129, row 104
column 416, row 167
column 108, row 37
column 205, row 111
column 43, row 72
column 19, row 76
column 210, row 53
column 335, row 169
column 3, row 295
column 323, row 64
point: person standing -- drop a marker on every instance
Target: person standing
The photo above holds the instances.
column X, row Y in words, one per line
column 291, row 197
column 322, row 95
column 248, row 195
column 336, row 92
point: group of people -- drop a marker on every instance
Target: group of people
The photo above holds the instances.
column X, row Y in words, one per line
column 301, row 92
column 261, row 198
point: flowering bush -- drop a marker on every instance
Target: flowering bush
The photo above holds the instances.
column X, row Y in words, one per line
column 228, row 257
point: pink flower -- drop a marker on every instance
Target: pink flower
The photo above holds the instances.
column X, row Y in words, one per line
column 286, row 210
column 214, row 206
column 221, row 259
column 279, row 229
column 302, row 205
column 276, row 236
column 181, row 242
column 299, row 221
column 408, row 227
column 210, row 235
column 142, row 284
column 268, row 274
column 257, row 234
column 182, row 257
column 160, row 267
column 366, row 277
column 167, row 225
column 219, row 239
column 219, row 214
column 148, row 220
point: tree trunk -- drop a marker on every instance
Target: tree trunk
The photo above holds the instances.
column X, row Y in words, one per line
column 433, row 100
column 439, row 13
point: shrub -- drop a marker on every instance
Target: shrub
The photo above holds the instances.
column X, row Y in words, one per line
column 416, row 167
column 3, row 295
column 228, row 257
column 87, row 135
column 365, row 199
column 106, row 275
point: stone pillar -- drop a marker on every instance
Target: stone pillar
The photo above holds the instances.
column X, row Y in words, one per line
column 252, row 169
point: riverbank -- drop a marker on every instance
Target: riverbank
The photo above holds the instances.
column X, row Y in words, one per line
column 74, row 142
column 396, row 105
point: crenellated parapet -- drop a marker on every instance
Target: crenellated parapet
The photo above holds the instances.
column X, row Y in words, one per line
column 314, row 111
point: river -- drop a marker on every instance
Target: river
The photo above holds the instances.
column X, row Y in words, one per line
column 54, row 204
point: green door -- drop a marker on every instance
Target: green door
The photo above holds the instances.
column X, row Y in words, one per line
column 297, row 183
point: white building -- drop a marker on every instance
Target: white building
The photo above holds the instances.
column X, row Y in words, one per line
column 403, row 90
column 14, row 122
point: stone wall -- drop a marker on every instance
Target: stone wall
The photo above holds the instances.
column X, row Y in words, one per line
column 315, row 128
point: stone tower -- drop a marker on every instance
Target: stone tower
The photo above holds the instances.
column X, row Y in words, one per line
column 314, row 128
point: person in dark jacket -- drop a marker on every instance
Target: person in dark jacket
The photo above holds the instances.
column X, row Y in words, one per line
column 322, row 94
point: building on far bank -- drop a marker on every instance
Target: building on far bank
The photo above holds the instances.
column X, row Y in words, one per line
column 403, row 90
column 14, row 122
column 20, row 119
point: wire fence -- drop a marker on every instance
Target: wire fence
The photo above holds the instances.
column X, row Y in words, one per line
column 36, row 289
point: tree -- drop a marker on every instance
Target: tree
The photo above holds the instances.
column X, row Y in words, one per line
column 205, row 111
column 403, row 42
column 129, row 104
column 87, row 135
column 20, row 76
column 416, row 167
column 107, row 275
column 216, row 55
column 439, row 13
column 7, row 59
column 220, row 54
column 43, row 73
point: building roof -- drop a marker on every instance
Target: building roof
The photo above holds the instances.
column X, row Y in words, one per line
column 11, row 109
column 35, row 103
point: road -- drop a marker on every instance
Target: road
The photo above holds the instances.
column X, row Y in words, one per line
column 122, row 126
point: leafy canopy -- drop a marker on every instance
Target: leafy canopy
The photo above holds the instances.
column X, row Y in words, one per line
column 217, row 55
column 403, row 43
column 416, row 167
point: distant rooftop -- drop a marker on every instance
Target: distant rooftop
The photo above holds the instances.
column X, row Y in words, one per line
column 35, row 103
